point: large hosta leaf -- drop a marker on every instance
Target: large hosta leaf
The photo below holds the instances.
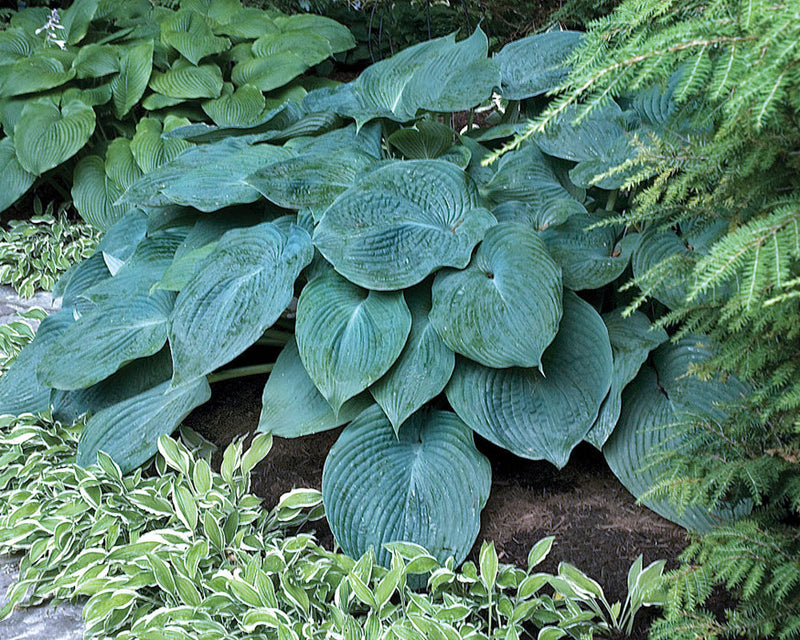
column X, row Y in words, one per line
column 269, row 73
column 33, row 74
column 337, row 35
column 102, row 341
column 120, row 165
column 135, row 66
column 46, row 136
column 241, row 107
column 437, row 75
column 310, row 47
column 505, row 307
column 426, row 139
column 247, row 23
column 150, row 149
column 20, row 389
column 541, row 417
column 191, row 35
column 401, row 222
column 590, row 258
column 129, row 430
column 77, row 18
column 632, row 339
column 14, row 180
column 348, row 337
column 423, row 368
column 94, row 194
column 536, row 64
column 292, row 406
column 188, row 81
column 239, row 292
column 426, row 485
column 96, row 60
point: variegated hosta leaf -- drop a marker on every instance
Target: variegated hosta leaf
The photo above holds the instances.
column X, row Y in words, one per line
column 46, row 136
column 526, row 176
column 536, row 64
column 14, row 180
column 20, row 389
column 541, row 417
column 292, row 406
column 207, row 177
column 426, row 485
column 423, row 368
column 652, row 424
column 188, row 81
column 426, row 139
column 32, row 75
column 401, row 222
column 632, row 340
column 598, row 143
column 348, row 337
column 505, row 307
column 135, row 66
column 150, row 149
column 589, row 258
column 129, row 430
column 310, row 47
column 437, row 75
column 94, row 194
column 102, row 341
column 238, row 293
column 96, row 60
column 269, row 73
column 236, row 108
column 191, row 35
column 337, row 35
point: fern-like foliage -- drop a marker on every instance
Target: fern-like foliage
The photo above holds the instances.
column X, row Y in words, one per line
column 727, row 159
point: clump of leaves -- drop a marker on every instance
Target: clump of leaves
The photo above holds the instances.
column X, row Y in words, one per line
column 36, row 251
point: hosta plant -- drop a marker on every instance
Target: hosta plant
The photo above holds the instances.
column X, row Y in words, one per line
column 435, row 297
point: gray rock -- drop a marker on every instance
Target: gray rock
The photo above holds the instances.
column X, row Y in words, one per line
column 12, row 305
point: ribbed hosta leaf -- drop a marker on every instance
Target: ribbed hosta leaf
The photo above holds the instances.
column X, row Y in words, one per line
column 649, row 425
column 247, row 23
column 310, row 47
column 156, row 101
column 269, row 73
column 219, row 11
column 437, row 75
column 94, row 96
column 77, row 18
column 401, row 222
column 120, row 165
column 589, row 258
column 150, row 149
column 20, row 389
column 191, row 35
column 427, row 485
column 526, row 176
column 238, row 108
column 94, row 194
column 102, row 341
column 336, row 34
column 34, row 74
column 129, row 430
column 348, row 337
column 426, row 139
column 14, row 180
column 135, row 66
column 16, row 44
column 533, row 416
column 292, row 406
column 207, row 177
column 96, row 60
column 188, row 81
column 239, row 292
column 535, row 65
column 632, row 340
column 505, row 307
column 423, row 368
column 46, row 136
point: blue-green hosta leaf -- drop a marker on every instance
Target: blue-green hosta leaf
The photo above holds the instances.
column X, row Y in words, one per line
column 20, row 389
column 292, row 406
column 247, row 23
column 310, row 47
column 77, row 18
column 533, row 416
column 505, row 307
column 426, row 139
column 589, row 258
column 649, row 425
column 207, row 177
column 129, row 430
column 269, row 73
column 14, row 180
column 151, row 149
column 46, row 136
column 34, row 74
column 236, row 295
column 598, row 143
column 348, row 337
column 100, row 342
column 94, row 194
column 337, row 35
column 423, row 368
column 188, row 81
column 135, row 67
column 536, row 64
column 96, row 60
column 526, row 176
column 401, row 222
column 426, row 485
column 632, row 340
column 119, row 243
column 236, row 108
column 79, row 278
column 190, row 34
column 437, row 75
